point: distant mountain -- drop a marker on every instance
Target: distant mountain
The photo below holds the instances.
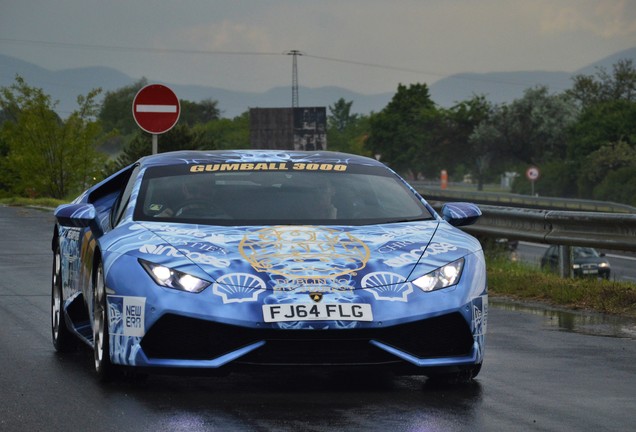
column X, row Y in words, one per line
column 65, row 85
column 233, row 103
column 497, row 87
column 500, row 87
column 608, row 62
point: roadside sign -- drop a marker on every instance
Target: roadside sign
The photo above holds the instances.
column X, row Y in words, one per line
column 156, row 108
column 532, row 173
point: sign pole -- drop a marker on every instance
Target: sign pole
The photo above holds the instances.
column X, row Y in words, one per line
column 155, row 145
column 532, row 174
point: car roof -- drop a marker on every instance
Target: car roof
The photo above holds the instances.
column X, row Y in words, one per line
column 239, row 156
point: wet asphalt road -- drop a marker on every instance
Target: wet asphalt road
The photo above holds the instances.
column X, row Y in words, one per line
column 544, row 370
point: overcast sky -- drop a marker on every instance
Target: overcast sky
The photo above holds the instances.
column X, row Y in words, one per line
column 369, row 46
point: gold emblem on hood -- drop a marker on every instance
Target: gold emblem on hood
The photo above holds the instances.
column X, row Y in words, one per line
column 304, row 252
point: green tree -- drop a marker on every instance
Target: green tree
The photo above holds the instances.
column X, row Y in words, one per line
column 180, row 137
column 6, row 170
column 224, row 133
column 214, row 135
column 47, row 155
column 340, row 116
column 600, row 141
column 346, row 132
column 193, row 113
column 598, row 165
column 620, row 85
column 116, row 110
column 403, row 134
column 459, row 145
column 83, row 133
column 558, row 179
column 618, row 186
column 534, row 128
column 483, row 149
column 600, row 124
column 116, row 115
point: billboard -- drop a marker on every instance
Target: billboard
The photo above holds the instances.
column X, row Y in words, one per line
column 288, row 128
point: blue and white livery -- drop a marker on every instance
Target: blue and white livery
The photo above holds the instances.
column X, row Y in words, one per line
column 223, row 260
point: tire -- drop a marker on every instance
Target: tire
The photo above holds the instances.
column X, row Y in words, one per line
column 63, row 339
column 101, row 343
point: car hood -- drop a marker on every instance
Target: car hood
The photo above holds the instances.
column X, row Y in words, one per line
column 590, row 260
column 284, row 257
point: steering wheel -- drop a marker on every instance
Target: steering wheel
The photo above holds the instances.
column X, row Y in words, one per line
column 196, row 207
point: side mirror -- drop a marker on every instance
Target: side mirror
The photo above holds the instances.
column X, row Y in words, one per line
column 78, row 216
column 460, row 213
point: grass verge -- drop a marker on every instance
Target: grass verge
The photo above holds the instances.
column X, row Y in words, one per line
column 522, row 282
column 36, row 202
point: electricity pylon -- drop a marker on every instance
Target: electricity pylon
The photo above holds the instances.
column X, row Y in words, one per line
column 294, row 54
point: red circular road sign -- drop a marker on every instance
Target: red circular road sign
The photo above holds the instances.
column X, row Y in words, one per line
column 532, row 173
column 156, row 108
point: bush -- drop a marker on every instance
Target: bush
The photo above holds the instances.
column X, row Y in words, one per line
column 618, row 186
column 557, row 179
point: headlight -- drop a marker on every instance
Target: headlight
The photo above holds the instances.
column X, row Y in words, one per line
column 443, row 277
column 604, row 265
column 174, row 279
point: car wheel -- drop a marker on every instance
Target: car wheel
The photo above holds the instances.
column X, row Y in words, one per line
column 63, row 339
column 103, row 366
column 463, row 376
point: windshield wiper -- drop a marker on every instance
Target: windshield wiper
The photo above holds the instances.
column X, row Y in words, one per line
column 415, row 219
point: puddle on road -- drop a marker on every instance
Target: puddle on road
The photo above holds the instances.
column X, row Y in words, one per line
column 589, row 323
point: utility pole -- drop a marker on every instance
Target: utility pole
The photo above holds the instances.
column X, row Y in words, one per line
column 294, row 54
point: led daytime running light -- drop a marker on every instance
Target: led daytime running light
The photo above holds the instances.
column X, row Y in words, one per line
column 442, row 277
column 175, row 279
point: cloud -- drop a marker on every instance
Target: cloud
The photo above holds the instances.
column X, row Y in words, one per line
column 607, row 19
column 227, row 35
column 239, row 44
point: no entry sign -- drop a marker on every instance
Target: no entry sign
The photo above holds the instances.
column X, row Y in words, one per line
column 156, row 108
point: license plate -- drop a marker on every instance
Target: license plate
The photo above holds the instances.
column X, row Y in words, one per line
column 317, row 312
column 590, row 271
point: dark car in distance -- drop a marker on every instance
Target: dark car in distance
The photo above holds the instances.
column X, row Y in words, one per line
column 586, row 261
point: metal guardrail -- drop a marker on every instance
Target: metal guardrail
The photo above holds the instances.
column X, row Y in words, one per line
column 432, row 194
column 602, row 230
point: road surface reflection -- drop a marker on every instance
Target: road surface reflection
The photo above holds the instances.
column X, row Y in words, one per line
column 584, row 322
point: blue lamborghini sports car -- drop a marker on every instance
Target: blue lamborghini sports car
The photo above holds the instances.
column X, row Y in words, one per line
column 215, row 261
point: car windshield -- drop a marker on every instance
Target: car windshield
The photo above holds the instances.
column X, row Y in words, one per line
column 585, row 252
column 277, row 193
